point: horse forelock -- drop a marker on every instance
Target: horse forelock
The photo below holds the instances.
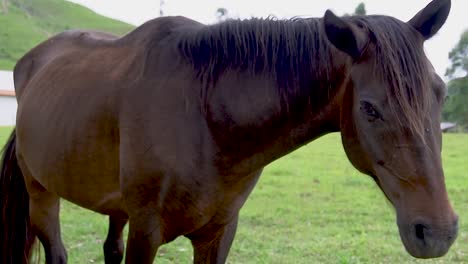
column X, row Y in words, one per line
column 400, row 61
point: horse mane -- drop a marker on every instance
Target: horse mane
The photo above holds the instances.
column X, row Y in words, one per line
column 294, row 52
column 298, row 55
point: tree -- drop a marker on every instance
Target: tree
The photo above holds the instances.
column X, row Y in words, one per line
column 459, row 58
column 221, row 13
column 456, row 105
column 4, row 8
column 360, row 10
column 161, row 10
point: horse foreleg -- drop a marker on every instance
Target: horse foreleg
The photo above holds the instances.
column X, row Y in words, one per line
column 114, row 245
column 212, row 243
column 144, row 239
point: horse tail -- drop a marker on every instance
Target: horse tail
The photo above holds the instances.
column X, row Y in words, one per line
column 16, row 234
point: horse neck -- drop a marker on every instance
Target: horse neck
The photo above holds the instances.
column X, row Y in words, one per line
column 253, row 125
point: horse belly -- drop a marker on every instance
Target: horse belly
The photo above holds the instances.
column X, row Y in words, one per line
column 88, row 178
column 69, row 142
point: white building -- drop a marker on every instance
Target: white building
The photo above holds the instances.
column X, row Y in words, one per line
column 8, row 103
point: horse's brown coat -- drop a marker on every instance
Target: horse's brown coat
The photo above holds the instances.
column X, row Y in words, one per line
column 170, row 126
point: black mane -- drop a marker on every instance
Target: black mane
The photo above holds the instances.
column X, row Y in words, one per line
column 298, row 55
column 294, row 51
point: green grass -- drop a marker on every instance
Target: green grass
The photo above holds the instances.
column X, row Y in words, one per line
column 311, row 206
column 27, row 23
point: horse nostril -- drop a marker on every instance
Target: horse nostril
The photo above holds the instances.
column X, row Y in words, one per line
column 419, row 229
column 454, row 233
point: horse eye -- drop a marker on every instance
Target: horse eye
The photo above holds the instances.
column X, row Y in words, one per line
column 370, row 110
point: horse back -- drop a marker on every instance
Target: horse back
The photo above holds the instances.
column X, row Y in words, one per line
column 44, row 53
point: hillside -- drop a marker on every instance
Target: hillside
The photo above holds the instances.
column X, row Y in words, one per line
column 25, row 23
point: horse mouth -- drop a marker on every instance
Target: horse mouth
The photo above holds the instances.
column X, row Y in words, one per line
column 424, row 241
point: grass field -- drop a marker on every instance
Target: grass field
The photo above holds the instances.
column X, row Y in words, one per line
column 26, row 23
column 311, row 206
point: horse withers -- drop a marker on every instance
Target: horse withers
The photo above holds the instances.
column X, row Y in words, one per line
column 169, row 127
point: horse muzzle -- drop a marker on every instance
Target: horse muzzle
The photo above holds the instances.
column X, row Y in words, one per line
column 422, row 239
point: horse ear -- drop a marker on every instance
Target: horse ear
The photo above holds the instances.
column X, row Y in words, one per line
column 430, row 19
column 344, row 36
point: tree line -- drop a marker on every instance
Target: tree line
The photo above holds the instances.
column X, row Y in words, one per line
column 456, row 104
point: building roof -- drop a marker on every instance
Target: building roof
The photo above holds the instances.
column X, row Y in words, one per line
column 447, row 125
column 7, row 93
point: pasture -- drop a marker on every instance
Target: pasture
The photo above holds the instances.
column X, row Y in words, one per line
column 311, row 206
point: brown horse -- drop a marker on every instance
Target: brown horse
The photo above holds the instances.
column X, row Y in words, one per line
column 169, row 127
